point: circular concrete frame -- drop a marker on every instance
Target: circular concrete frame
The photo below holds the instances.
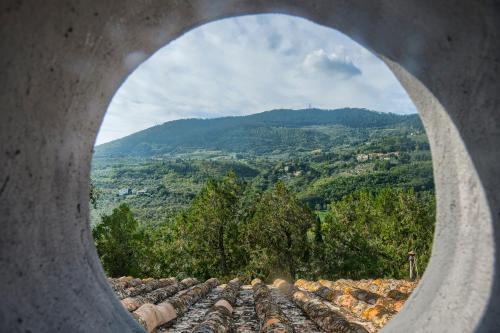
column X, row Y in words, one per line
column 62, row 61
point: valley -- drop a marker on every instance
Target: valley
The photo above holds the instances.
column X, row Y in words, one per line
column 321, row 155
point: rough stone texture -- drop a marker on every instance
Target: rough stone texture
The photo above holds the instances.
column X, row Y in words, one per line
column 62, row 61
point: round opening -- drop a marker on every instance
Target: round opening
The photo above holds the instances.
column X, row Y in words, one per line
column 62, row 66
column 275, row 162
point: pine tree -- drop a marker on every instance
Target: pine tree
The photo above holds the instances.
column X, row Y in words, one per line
column 277, row 234
column 369, row 234
column 210, row 227
column 119, row 242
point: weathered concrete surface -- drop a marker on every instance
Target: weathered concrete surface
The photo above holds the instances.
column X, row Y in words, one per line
column 61, row 62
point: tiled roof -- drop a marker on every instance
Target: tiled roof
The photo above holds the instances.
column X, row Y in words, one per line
column 168, row 305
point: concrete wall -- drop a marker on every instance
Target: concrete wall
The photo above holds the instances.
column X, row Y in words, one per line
column 61, row 62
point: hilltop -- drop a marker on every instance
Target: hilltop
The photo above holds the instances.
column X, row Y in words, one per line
column 259, row 133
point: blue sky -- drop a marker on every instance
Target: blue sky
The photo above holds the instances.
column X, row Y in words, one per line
column 251, row 64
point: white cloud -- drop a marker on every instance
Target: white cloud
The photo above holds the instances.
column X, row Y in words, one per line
column 319, row 62
column 251, row 64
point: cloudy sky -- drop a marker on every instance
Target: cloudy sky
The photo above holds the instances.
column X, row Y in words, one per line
column 251, row 64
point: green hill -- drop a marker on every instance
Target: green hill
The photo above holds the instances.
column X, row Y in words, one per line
column 283, row 191
column 322, row 155
column 259, row 133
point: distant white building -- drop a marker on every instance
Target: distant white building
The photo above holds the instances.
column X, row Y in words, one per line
column 362, row 157
column 373, row 156
column 124, row 191
column 142, row 192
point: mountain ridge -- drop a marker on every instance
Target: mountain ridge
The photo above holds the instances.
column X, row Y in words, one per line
column 259, row 131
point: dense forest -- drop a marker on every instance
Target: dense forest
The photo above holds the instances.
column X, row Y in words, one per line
column 306, row 193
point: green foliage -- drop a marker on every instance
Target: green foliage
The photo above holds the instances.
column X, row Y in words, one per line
column 277, row 235
column 94, row 195
column 209, row 229
column 232, row 196
column 412, row 175
column 230, row 229
column 247, row 133
column 119, row 242
column 369, row 234
column 314, row 152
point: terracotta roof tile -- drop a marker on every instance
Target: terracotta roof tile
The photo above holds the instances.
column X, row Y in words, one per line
column 166, row 305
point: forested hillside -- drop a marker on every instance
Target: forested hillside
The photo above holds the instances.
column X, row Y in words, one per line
column 257, row 133
column 308, row 150
column 341, row 193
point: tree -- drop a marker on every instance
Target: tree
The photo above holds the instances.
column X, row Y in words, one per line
column 369, row 234
column 318, row 250
column 277, row 234
column 94, row 194
column 119, row 242
column 209, row 229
